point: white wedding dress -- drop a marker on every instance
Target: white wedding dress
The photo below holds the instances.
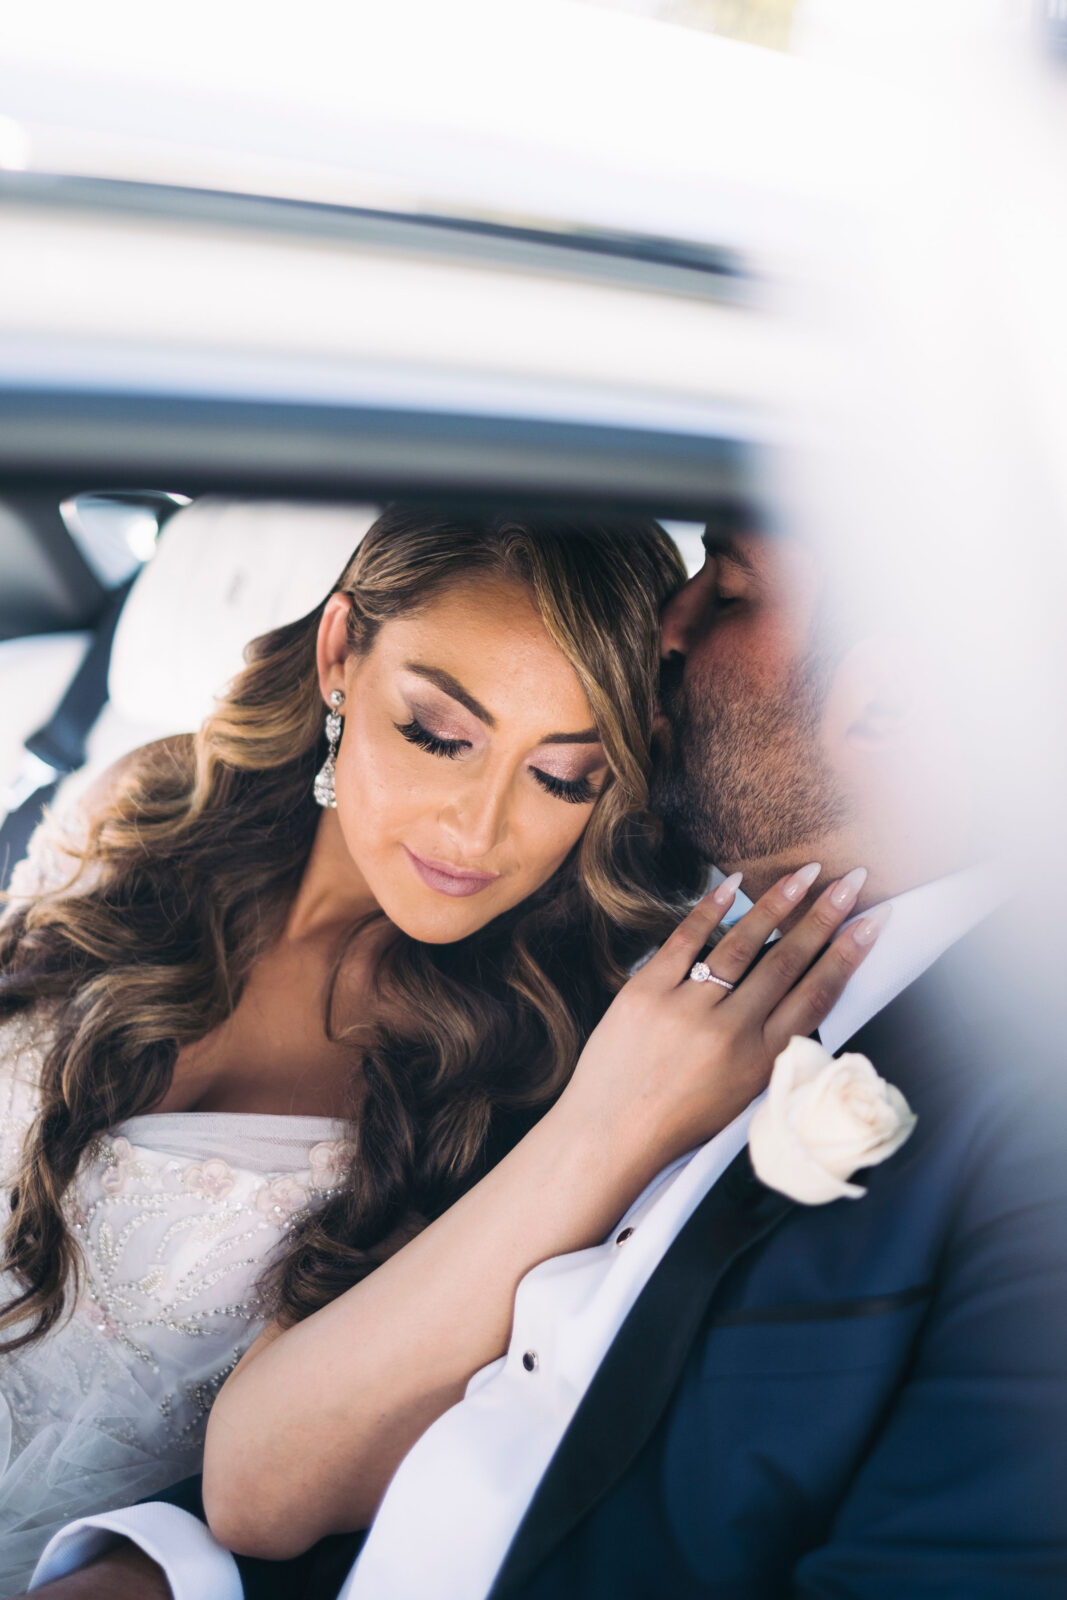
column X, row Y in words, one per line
column 176, row 1215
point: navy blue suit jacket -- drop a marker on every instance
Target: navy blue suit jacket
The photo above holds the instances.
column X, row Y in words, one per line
column 865, row 1400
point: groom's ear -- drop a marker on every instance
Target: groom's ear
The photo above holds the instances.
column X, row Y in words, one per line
column 875, row 696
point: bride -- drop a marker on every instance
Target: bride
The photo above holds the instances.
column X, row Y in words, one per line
column 285, row 990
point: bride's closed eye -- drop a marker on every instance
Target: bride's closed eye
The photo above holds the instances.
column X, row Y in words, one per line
column 577, row 791
column 416, row 734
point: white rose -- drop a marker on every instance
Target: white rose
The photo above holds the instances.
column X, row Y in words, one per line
column 821, row 1121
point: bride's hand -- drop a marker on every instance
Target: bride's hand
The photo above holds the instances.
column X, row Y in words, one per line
column 673, row 1060
column 347, row 1391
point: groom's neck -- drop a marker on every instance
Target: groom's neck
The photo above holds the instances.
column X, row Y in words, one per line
column 890, row 871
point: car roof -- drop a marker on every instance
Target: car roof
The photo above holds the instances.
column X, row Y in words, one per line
column 481, row 248
column 565, row 115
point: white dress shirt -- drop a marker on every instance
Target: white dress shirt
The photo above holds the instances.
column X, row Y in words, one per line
column 459, row 1495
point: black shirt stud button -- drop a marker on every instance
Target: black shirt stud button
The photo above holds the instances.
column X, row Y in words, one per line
column 621, row 1238
column 530, row 1361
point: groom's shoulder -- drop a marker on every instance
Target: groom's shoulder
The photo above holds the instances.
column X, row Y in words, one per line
column 976, row 1195
column 976, row 1053
column 970, row 1028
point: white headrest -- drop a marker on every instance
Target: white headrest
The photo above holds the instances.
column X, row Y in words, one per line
column 224, row 572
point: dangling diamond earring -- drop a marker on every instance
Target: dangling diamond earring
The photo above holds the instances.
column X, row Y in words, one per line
column 324, row 790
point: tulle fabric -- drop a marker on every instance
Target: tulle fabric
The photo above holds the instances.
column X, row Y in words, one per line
column 176, row 1216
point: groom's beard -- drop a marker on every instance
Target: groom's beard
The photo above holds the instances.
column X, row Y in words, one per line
column 739, row 775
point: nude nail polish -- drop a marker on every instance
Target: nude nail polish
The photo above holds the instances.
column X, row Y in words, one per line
column 796, row 887
column 843, row 894
column 727, row 889
column 868, row 928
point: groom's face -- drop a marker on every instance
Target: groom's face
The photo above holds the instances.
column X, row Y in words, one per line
column 740, row 765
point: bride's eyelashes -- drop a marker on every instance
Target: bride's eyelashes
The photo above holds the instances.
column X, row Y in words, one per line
column 577, row 791
column 416, row 734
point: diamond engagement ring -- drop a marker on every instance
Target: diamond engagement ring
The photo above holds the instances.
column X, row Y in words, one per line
column 702, row 973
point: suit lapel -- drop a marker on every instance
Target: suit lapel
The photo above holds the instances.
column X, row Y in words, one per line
column 635, row 1381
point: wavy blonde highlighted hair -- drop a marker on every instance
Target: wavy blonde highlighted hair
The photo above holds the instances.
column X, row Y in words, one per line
column 202, row 847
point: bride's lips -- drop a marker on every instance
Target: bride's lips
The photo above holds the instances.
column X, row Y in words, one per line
column 458, row 881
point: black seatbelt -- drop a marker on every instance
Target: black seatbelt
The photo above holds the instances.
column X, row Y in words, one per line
column 58, row 747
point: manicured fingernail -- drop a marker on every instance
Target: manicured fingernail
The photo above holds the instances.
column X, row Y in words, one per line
column 844, row 893
column 796, row 887
column 867, row 929
column 724, row 894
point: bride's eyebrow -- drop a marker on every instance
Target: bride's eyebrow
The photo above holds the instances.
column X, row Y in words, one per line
column 455, row 691
column 453, row 688
column 587, row 736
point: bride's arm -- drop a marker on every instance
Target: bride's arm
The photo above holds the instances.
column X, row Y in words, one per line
column 310, row 1427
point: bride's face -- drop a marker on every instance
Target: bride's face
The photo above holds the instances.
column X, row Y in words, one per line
column 469, row 762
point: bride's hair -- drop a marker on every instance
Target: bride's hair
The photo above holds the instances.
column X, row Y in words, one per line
column 202, row 845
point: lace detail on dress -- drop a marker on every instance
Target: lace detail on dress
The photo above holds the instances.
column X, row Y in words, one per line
column 52, row 860
column 112, row 1405
column 176, row 1215
column 51, row 863
column 21, row 1060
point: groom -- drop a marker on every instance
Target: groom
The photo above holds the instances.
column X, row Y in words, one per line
column 863, row 1399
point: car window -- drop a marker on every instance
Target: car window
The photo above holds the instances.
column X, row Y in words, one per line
column 116, row 531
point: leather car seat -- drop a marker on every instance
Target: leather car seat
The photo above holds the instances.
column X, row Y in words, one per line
column 223, row 572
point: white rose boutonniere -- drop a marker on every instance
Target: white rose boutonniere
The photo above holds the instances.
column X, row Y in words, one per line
column 821, row 1121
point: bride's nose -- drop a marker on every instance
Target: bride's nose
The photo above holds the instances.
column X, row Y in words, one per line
column 476, row 818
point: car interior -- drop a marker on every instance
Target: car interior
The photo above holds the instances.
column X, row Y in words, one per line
column 125, row 612
column 181, row 468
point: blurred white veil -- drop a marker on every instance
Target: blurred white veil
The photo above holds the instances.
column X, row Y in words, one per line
column 932, row 458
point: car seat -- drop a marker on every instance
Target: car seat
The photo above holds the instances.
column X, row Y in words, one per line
column 223, row 572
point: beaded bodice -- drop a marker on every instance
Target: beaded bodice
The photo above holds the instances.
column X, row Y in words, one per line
column 176, row 1216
